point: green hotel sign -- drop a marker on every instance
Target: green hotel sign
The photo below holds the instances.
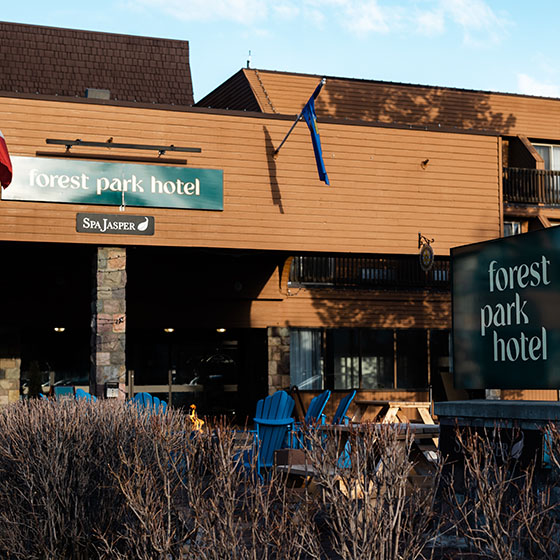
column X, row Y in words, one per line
column 506, row 319
column 114, row 184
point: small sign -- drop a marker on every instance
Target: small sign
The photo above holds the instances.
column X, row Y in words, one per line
column 426, row 257
column 113, row 224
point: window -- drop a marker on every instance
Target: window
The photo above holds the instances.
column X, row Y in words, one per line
column 412, row 358
column 512, row 228
column 550, row 154
column 306, row 363
column 359, row 358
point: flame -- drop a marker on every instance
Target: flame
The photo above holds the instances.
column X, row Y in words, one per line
column 196, row 421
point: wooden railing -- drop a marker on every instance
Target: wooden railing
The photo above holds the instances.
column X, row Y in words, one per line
column 388, row 271
column 531, row 186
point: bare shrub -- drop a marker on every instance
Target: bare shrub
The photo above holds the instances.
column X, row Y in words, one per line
column 238, row 516
column 55, row 488
column 105, row 480
column 499, row 508
column 373, row 503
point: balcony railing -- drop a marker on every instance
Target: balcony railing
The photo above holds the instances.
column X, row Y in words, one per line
column 531, row 186
column 371, row 272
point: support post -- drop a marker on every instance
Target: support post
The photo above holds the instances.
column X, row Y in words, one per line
column 109, row 321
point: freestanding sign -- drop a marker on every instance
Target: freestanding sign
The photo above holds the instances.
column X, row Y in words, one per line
column 506, row 312
column 114, row 184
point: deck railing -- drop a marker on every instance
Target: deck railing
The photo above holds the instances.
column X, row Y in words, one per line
column 389, row 272
column 531, row 186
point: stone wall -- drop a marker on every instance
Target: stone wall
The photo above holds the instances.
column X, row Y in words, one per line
column 9, row 380
column 109, row 320
column 10, row 366
column 278, row 358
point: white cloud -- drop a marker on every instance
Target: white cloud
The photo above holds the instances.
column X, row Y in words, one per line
column 286, row 10
column 529, row 86
column 430, row 23
column 479, row 22
column 240, row 11
column 366, row 17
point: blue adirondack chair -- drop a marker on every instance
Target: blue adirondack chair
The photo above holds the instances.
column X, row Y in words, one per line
column 341, row 418
column 63, row 392
column 343, row 406
column 272, row 420
column 84, row 395
column 150, row 403
column 143, row 400
column 313, row 416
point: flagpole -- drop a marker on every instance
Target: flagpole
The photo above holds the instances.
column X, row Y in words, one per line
column 289, row 132
column 323, row 82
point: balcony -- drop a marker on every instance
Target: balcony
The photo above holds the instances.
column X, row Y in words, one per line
column 531, row 186
column 369, row 272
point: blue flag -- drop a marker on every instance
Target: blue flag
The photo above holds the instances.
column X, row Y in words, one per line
column 308, row 113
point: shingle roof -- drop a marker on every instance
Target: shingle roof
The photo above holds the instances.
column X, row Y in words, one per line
column 371, row 101
column 66, row 62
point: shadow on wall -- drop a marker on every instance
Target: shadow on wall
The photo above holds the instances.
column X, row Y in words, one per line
column 381, row 310
column 411, row 105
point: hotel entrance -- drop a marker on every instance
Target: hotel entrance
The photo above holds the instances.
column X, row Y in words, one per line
column 190, row 326
column 221, row 371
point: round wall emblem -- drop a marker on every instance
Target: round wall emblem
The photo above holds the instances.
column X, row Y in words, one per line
column 426, row 257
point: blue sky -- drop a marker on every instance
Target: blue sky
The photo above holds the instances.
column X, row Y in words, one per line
column 495, row 45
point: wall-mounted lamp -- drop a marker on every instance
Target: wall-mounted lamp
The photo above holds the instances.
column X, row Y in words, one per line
column 59, row 329
column 221, row 330
column 169, row 330
column 424, row 164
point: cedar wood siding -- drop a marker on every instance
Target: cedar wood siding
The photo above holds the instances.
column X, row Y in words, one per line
column 386, row 102
column 379, row 199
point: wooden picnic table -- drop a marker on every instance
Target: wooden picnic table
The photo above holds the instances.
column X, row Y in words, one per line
column 424, row 436
column 387, row 412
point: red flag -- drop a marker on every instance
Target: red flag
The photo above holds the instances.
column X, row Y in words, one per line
column 5, row 163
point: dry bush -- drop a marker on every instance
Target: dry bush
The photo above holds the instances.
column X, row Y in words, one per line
column 370, row 506
column 105, row 480
column 499, row 508
column 238, row 516
column 56, row 491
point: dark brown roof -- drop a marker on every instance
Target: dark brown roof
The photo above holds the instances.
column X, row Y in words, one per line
column 234, row 94
column 390, row 103
column 66, row 62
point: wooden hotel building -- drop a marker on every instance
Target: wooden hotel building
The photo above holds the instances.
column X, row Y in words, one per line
column 151, row 241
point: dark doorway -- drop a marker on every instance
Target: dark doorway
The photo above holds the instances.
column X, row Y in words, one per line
column 46, row 306
column 222, row 372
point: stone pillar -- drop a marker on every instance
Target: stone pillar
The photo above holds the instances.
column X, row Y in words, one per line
column 278, row 358
column 109, row 320
column 10, row 365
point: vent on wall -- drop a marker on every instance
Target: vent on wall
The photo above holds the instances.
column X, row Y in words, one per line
column 98, row 93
